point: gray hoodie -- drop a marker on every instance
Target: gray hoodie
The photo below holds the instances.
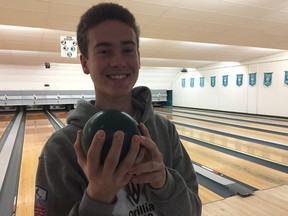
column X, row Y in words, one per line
column 61, row 183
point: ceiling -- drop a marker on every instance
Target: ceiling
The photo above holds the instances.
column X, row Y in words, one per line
column 174, row 33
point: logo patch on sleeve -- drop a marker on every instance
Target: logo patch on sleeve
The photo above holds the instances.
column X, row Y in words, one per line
column 41, row 200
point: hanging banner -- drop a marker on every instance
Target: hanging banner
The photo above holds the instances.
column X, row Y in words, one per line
column 225, row 80
column 252, row 79
column 201, row 81
column 191, row 82
column 183, row 83
column 68, row 46
column 267, row 78
column 239, row 79
column 286, row 78
column 213, row 81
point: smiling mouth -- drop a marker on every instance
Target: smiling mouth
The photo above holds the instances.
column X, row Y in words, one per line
column 118, row 76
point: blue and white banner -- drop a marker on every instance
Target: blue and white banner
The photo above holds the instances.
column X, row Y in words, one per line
column 183, row 82
column 239, row 79
column 201, row 81
column 191, row 82
column 252, row 79
column 286, row 78
column 225, row 80
column 213, row 81
column 267, row 78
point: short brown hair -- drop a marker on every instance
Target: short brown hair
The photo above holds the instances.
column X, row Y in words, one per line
column 99, row 13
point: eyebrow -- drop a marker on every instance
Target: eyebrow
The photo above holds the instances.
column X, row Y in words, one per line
column 108, row 44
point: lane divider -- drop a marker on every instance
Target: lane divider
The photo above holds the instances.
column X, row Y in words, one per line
column 235, row 187
column 7, row 149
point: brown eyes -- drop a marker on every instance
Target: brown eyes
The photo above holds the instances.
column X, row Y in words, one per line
column 110, row 51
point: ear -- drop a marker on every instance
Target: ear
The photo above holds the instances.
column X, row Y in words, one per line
column 84, row 61
column 139, row 59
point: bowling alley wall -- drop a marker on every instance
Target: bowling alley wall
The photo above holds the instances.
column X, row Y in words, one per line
column 62, row 85
column 71, row 77
column 257, row 87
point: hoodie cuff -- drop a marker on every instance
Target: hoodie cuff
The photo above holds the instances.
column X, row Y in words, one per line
column 164, row 193
column 91, row 207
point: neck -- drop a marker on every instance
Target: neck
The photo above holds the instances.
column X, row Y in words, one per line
column 120, row 103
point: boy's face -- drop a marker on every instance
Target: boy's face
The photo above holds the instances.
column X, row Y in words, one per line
column 113, row 58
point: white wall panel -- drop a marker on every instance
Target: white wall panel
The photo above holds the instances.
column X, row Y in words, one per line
column 258, row 99
column 273, row 99
column 157, row 78
column 71, row 77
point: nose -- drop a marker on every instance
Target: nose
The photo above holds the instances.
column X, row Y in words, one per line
column 118, row 60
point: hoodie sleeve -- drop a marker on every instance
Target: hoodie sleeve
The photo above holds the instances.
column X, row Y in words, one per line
column 61, row 184
column 179, row 196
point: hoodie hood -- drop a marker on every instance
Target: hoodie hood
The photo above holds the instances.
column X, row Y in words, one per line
column 141, row 101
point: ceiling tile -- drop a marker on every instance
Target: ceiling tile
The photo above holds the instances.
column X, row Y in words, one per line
column 232, row 24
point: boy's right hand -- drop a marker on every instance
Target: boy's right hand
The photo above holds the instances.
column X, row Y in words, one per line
column 105, row 181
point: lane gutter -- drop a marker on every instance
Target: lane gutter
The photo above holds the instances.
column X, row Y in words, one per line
column 10, row 158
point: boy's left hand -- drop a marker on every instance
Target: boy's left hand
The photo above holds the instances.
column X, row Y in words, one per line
column 149, row 167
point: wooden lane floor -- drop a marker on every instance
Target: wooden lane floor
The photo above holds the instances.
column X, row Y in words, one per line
column 266, row 152
column 241, row 145
column 37, row 131
column 256, row 122
column 61, row 115
column 269, row 202
column 247, row 172
column 250, row 173
column 5, row 118
column 208, row 196
column 226, row 115
column 271, row 137
column 255, row 125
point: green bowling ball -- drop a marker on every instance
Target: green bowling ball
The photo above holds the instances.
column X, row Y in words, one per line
column 110, row 121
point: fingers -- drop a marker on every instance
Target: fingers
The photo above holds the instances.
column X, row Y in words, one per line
column 144, row 130
column 81, row 157
column 147, row 142
column 128, row 161
column 94, row 152
column 112, row 165
column 112, row 170
column 151, row 172
column 112, row 158
column 149, row 168
column 140, row 155
column 131, row 156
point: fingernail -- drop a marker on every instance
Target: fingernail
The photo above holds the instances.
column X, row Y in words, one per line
column 136, row 138
column 100, row 134
column 118, row 135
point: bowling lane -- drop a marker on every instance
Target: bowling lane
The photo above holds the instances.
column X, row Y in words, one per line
column 247, row 117
column 258, row 150
column 61, row 115
column 37, row 130
column 234, row 130
column 261, row 151
column 5, row 118
column 271, row 202
column 253, row 174
column 236, row 122
column 208, row 196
